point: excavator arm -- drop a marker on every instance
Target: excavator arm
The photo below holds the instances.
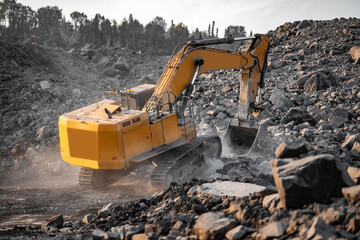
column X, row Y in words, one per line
column 196, row 58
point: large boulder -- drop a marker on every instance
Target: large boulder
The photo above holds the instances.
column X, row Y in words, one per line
column 311, row 179
column 317, row 80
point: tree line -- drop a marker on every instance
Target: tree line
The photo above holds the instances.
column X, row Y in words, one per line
column 48, row 25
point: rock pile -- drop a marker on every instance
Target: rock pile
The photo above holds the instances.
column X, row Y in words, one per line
column 182, row 212
column 312, row 88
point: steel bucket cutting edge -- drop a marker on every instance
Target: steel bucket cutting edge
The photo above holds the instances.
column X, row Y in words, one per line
column 246, row 137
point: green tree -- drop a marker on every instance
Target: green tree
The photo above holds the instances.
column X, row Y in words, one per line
column 106, row 32
column 114, row 33
column 178, row 33
column 235, row 31
column 135, row 32
column 10, row 11
column 96, row 34
column 49, row 23
column 85, row 32
column 155, row 36
column 78, row 19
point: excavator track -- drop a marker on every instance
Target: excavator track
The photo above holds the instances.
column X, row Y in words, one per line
column 96, row 178
column 179, row 164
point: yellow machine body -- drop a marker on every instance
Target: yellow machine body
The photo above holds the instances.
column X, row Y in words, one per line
column 91, row 140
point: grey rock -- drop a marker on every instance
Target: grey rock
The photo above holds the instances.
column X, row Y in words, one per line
column 317, row 80
column 66, row 230
column 54, row 222
column 13, row 62
column 310, row 179
column 303, row 24
column 272, row 230
column 351, row 193
column 106, row 210
column 221, row 116
column 87, row 219
column 356, row 147
column 224, row 188
column 335, row 52
column 239, row 232
column 110, row 72
column 332, row 216
column 76, row 92
column 355, row 54
column 265, row 168
column 298, row 115
column 350, row 140
column 277, row 96
column 112, row 236
column 179, row 225
column 103, row 62
column 212, row 225
column 354, row 173
column 353, row 224
column 24, row 120
column 338, row 121
column 173, row 235
column 45, row 84
column 133, row 230
column 121, row 64
column 291, row 149
column 98, row 234
column 272, row 202
column 339, row 112
column 321, row 230
column 144, row 236
column 291, row 56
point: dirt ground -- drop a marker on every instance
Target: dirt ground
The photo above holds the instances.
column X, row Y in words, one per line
column 37, row 198
column 30, row 198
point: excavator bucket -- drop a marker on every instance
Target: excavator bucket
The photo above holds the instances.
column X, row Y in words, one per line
column 246, row 137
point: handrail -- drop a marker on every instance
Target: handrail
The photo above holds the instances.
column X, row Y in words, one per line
column 103, row 97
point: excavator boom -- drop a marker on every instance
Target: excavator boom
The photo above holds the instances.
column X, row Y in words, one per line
column 196, row 58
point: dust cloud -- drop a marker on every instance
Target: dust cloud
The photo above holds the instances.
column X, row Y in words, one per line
column 209, row 168
column 43, row 169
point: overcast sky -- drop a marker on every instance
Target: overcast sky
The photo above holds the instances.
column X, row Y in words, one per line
column 260, row 16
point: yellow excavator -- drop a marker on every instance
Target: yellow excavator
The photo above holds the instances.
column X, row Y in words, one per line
column 156, row 125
